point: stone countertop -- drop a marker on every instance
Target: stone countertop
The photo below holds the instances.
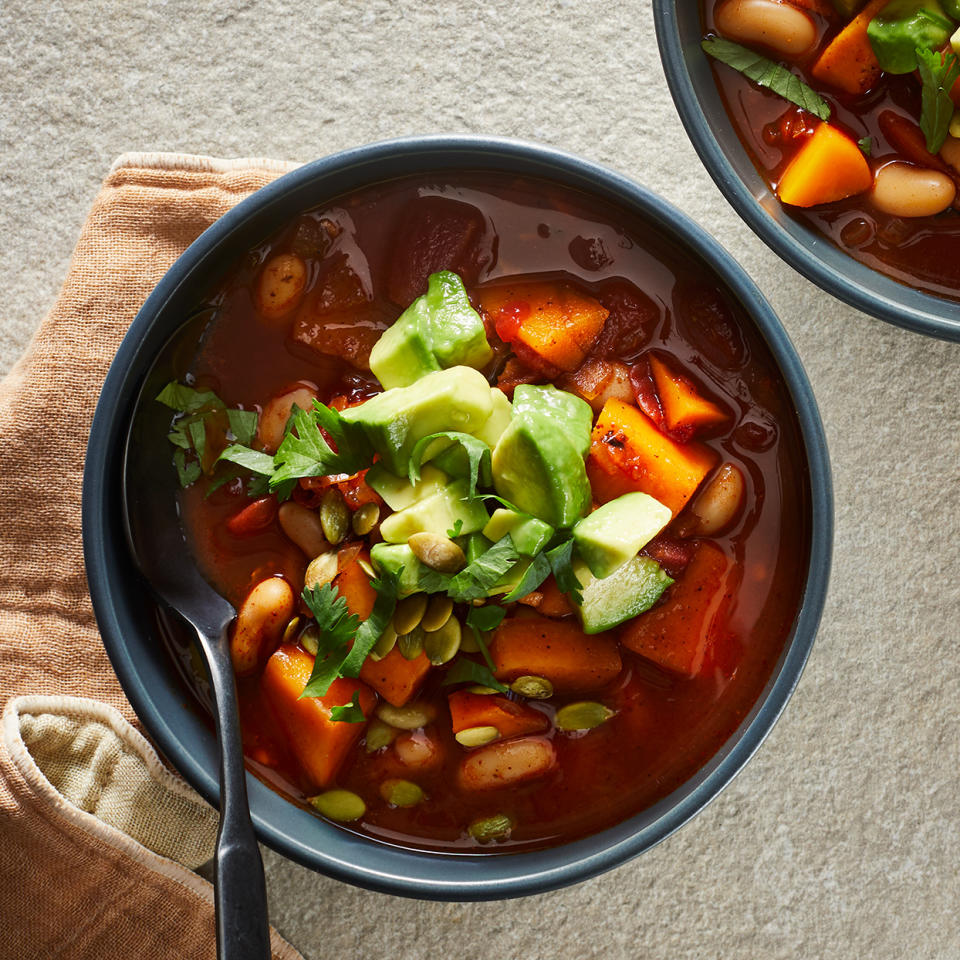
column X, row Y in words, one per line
column 842, row 836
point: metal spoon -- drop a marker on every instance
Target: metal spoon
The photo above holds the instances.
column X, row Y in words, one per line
column 157, row 543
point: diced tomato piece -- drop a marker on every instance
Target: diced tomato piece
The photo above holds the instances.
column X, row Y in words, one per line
column 254, row 517
column 558, row 323
column 514, row 373
column 673, row 555
column 488, row 710
column 679, row 633
column 573, row 661
column 628, row 453
column 394, row 677
column 348, row 335
column 320, row 744
column 685, row 410
column 707, row 318
column 632, row 320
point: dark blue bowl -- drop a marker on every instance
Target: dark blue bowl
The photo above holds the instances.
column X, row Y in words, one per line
column 689, row 74
column 148, row 673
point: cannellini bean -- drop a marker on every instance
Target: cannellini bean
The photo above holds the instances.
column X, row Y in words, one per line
column 905, row 190
column 950, row 152
column 417, row 750
column 506, row 762
column 716, row 506
column 280, row 286
column 303, row 527
column 598, row 381
column 276, row 413
column 260, row 624
column 780, row 26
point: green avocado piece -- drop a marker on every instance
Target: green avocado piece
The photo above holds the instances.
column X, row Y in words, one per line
column 437, row 513
column 393, row 421
column 529, row 534
column 452, row 458
column 902, row 27
column 570, row 415
column 632, row 588
column 539, row 470
column 511, row 578
column 398, row 492
column 500, row 417
column 437, row 331
column 618, row 530
column 474, row 545
column 390, row 557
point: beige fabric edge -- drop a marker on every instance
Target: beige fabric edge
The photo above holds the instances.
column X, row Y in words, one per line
column 197, row 163
column 57, row 805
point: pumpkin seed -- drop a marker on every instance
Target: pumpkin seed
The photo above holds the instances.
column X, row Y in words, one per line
column 534, row 688
column 411, row 717
column 320, row 570
column 438, row 613
column 410, row 644
column 437, row 552
column 401, row 793
column 477, row 736
column 468, row 642
column 290, row 631
column 365, row 519
column 334, row 515
column 497, row 827
column 442, row 645
column 481, row 690
column 366, row 567
column 385, row 644
column 342, row 805
column 409, row 613
column 583, row 715
column 379, row 735
column 310, row 639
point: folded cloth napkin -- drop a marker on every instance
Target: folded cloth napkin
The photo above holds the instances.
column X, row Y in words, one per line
column 98, row 841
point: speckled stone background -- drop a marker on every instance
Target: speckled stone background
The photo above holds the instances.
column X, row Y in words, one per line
column 842, row 837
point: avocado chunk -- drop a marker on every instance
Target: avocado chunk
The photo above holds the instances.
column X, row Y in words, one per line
column 390, row 557
column 537, row 468
column 570, row 414
column 529, row 534
column 500, row 416
column 437, row 331
column 511, row 578
column 437, row 514
column 393, row 421
column 618, row 530
column 450, row 456
column 632, row 588
column 398, row 492
column 904, row 26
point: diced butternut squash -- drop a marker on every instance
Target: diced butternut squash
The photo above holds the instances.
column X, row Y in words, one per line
column 553, row 601
column 628, row 453
column 319, row 743
column 394, row 677
column 511, row 719
column 684, row 409
column 571, row 660
column 507, row 762
column 353, row 584
column 828, row 167
column 849, row 62
column 678, row 634
column 554, row 321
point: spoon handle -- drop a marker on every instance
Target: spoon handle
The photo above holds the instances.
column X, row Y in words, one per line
column 240, row 891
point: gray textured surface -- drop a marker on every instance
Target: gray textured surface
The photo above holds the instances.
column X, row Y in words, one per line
column 842, row 837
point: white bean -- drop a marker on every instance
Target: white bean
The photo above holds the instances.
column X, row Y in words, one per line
column 950, row 152
column 303, row 527
column 905, row 190
column 276, row 413
column 417, row 750
column 506, row 762
column 280, row 286
column 260, row 624
column 780, row 26
column 716, row 506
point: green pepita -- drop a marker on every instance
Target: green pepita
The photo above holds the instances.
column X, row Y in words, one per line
column 385, row 644
column 411, row 717
column 534, row 688
column 468, row 642
column 401, row 793
column 334, row 515
column 437, row 552
column 379, row 735
column 439, row 611
column 310, row 639
column 365, row 519
column 477, row 736
column 442, row 645
column 497, row 827
column 481, row 690
column 367, row 567
column 410, row 644
column 290, row 631
column 341, row 805
column 321, row 569
column 409, row 613
column 583, row 715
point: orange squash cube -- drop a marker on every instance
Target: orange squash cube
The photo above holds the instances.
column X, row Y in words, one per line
column 828, row 167
column 684, row 409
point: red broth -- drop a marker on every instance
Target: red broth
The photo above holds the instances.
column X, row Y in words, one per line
column 921, row 252
column 666, row 727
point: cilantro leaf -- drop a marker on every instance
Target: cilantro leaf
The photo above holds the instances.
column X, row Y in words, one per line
column 371, row 629
column 469, row 671
column 478, row 456
column 186, row 472
column 350, row 712
column 455, row 530
column 252, row 460
column 767, row 74
column 243, row 425
column 336, row 627
column 938, row 75
column 866, row 146
column 476, row 579
column 184, row 399
column 533, row 576
column 485, row 618
column 561, row 563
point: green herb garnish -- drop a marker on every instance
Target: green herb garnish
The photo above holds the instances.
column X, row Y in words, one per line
column 866, row 146
column 349, row 712
column 561, row 563
column 767, row 74
column 469, row 671
column 533, row 576
column 478, row 456
column 479, row 577
column 938, row 75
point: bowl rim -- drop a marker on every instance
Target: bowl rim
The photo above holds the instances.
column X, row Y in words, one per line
column 331, row 850
column 871, row 291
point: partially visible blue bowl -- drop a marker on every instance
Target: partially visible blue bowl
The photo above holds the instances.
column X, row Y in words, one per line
column 146, row 670
column 701, row 108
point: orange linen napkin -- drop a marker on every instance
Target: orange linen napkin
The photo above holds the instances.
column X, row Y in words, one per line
column 97, row 839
